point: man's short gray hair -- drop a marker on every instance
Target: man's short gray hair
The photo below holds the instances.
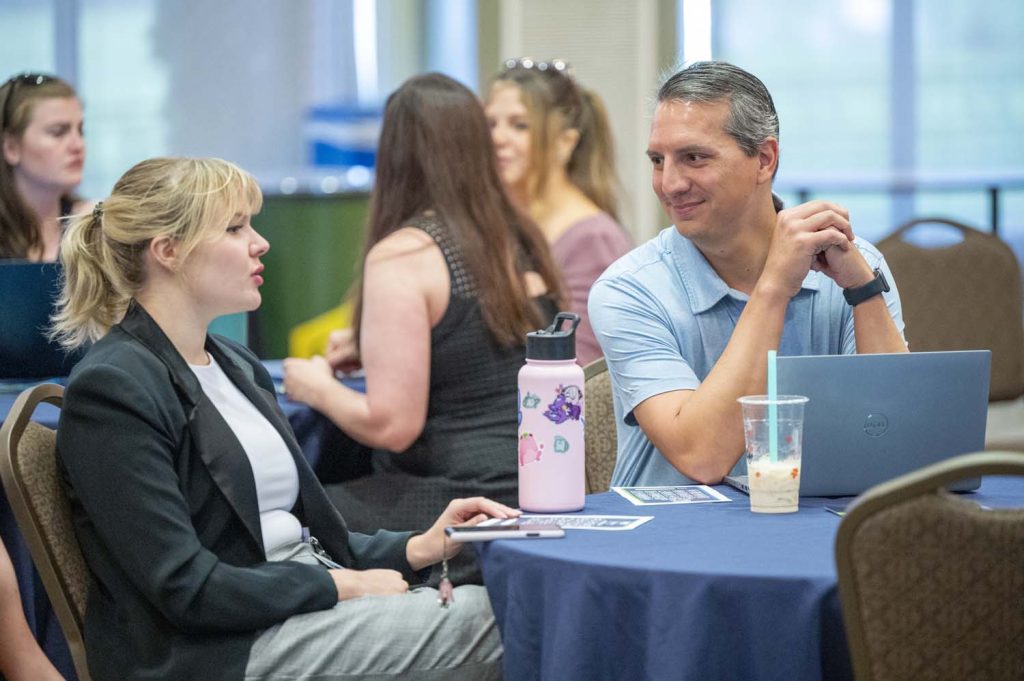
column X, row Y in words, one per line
column 752, row 117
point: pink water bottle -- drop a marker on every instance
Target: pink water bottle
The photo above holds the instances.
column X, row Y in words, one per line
column 551, row 461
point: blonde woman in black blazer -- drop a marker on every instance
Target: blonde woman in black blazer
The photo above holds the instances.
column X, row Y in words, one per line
column 169, row 505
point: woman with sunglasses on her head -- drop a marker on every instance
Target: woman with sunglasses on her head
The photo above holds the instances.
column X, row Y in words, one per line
column 210, row 543
column 43, row 156
column 453, row 279
column 556, row 159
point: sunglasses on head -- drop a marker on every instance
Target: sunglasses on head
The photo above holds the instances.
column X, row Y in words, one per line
column 15, row 82
column 550, row 66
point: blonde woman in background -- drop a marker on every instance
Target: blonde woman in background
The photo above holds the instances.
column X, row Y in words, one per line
column 214, row 551
column 556, row 159
column 43, row 157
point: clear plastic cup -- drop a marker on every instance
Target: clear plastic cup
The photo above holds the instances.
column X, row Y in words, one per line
column 774, row 481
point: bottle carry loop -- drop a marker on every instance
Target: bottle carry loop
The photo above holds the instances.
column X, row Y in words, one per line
column 554, row 342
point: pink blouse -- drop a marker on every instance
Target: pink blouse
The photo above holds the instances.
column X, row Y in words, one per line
column 582, row 253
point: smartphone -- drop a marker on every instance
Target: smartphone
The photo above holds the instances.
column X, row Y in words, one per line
column 489, row 532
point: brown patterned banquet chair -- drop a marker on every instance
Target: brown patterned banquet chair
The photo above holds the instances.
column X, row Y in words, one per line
column 28, row 467
column 966, row 296
column 931, row 583
column 599, row 433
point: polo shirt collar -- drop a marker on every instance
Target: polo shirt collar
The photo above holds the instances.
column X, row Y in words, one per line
column 703, row 286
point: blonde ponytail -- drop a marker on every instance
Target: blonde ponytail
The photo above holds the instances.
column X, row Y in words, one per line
column 592, row 165
column 90, row 301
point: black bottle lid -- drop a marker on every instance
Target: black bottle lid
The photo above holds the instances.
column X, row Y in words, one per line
column 554, row 343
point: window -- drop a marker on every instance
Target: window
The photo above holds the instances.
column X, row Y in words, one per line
column 969, row 63
column 848, row 127
column 827, row 67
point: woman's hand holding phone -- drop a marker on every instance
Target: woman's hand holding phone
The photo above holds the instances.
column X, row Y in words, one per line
column 430, row 547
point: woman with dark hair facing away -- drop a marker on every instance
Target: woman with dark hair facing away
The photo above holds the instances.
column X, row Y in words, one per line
column 43, row 156
column 214, row 551
column 452, row 280
column 556, row 158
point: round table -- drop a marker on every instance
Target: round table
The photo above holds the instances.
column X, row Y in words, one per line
column 702, row 591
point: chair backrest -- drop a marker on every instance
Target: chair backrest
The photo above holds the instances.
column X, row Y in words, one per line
column 599, row 431
column 28, row 467
column 931, row 583
column 966, row 296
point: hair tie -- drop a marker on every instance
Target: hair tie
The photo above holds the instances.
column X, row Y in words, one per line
column 97, row 211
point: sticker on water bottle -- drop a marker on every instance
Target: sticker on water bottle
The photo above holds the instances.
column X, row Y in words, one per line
column 529, row 450
column 531, row 401
column 567, row 405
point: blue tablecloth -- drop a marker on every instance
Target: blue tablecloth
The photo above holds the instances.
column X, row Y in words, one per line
column 703, row 591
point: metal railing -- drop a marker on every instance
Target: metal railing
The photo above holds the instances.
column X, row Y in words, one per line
column 806, row 186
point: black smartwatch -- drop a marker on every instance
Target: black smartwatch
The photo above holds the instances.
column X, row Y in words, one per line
column 858, row 294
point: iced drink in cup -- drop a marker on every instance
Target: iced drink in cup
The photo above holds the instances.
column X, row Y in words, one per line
column 773, row 476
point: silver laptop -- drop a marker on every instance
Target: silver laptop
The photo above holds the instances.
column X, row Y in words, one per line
column 871, row 418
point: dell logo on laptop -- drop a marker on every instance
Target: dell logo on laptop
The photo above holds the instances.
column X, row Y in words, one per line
column 875, row 425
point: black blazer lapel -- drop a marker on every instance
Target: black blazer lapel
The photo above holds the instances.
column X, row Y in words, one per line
column 227, row 463
column 213, row 438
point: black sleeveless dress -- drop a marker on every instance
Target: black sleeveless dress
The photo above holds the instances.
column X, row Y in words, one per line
column 468, row 444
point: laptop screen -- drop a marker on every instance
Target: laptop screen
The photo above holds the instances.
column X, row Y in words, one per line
column 28, row 292
column 871, row 418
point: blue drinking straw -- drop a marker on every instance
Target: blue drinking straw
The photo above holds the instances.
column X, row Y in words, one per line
column 773, row 409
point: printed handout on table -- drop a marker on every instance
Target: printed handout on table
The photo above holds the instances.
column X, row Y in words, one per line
column 675, row 494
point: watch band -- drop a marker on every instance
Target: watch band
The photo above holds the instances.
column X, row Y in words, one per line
column 858, row 294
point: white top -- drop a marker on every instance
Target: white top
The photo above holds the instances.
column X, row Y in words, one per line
column 277, row 480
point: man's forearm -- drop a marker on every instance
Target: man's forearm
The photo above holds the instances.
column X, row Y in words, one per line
column 701, row 432
column 874, row 328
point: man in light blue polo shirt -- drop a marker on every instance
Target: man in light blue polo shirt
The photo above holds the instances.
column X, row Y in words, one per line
column 686, row 320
